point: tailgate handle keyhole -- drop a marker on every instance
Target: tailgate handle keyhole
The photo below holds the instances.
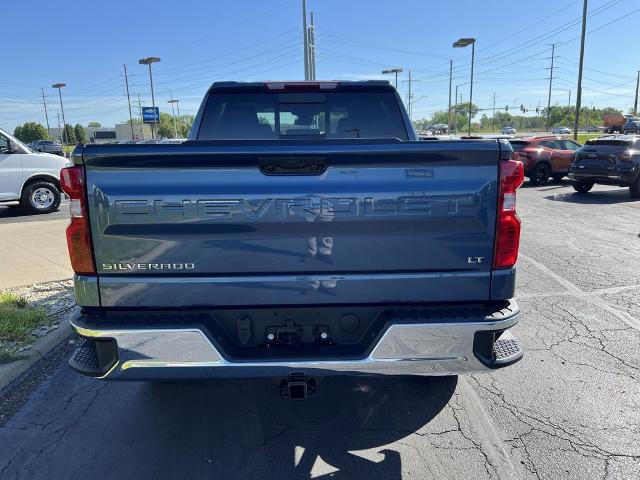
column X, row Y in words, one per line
column 313, row 165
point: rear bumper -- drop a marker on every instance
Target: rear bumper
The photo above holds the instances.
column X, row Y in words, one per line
column 612, row 177
column 429, row 346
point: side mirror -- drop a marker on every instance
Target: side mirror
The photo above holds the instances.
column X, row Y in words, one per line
column 13, row 147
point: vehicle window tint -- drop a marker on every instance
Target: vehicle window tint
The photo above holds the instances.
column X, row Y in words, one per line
column 518, row 145
column 250, row 116
column 4, row 144
column 569, row 145
column 302, row 119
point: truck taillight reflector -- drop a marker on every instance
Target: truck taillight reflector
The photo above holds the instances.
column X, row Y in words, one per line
column 508, row 223
column 78, row 231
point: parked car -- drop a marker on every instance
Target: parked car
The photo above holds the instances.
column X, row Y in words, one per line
column 294, row 247
column 173, row 140
column 47, row 146
column 632, row 125
column 596, row 129
column 508, row 130
column 561, row 131
column 609, row 160
column 31, row 179
column 545, row 157
column 440, row 129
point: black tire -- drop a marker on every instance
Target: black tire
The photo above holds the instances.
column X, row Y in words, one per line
column 634, row 188
column 557, row 177
column 540, row 175
column 40, row 196
column 582, row 187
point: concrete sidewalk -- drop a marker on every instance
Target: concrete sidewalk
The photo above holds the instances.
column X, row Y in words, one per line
column 33, row 252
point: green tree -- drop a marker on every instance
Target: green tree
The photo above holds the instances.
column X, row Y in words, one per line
column 69, row 134
column 80, row 133
column 165, row 127
column 30, row 131
column 94, row 124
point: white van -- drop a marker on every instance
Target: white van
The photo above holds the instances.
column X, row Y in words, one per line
column 32, row 179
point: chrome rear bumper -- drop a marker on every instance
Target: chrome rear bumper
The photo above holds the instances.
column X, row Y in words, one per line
column 429, row 348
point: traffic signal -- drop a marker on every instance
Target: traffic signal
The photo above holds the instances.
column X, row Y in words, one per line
column 506, row 108
column 522, row 108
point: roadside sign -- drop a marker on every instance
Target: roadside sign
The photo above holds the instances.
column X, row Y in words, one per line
column 150, row 114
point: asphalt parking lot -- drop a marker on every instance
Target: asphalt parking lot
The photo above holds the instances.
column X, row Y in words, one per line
column 569, row 410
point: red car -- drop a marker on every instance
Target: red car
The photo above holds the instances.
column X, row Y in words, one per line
column 545, row 157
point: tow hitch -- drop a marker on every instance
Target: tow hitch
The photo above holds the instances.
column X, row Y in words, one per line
column 297, row 386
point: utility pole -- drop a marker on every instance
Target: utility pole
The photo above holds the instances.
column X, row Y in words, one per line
column 635, row 104
column 59, row 86
column 311, row 40
column 305, row 39
column 553, row 49
column 569, row 110
column 450, row 80
column 455, row 113
column 579, row 95
column 173, row 114
column 141, row 117
column 59, row 130
column 126, row 82
column 410, row 97
column 493, row 117
column 46, row 115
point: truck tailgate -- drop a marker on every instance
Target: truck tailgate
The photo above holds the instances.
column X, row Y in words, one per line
column 263, row 223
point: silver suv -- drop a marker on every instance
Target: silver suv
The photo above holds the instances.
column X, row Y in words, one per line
column 46, row 146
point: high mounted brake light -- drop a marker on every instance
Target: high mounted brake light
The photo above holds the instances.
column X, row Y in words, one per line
column 301, row 86
column 508, row 223
column 78, row 231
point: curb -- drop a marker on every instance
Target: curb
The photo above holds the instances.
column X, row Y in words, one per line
column 9, row 372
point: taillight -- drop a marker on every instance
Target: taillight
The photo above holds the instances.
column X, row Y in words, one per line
column 78, row 231
column 624, row 157
column 508, row 223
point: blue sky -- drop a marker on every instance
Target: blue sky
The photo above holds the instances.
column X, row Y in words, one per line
column 84, row 44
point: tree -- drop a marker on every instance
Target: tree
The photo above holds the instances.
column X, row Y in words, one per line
column 165, row 127
column 69, row 134
column 30, row 132
column 94, row 124
column 80, row 133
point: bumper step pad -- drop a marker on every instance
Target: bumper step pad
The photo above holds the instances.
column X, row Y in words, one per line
column 94, row 357
column 504, row 349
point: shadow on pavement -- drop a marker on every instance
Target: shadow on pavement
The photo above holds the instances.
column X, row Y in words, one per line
column 244, row 429
column 595, row 197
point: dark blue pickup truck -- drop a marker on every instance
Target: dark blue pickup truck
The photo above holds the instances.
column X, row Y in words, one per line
column 302, row 231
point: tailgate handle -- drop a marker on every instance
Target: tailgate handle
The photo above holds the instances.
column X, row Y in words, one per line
column 307, row 165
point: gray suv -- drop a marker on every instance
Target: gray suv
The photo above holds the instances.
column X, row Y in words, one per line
column 47, row 146
column 632, row 125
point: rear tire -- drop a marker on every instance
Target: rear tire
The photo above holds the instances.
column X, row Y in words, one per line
column 582, row 187
column 634, row 188
column 540, row 175
column 39, row 197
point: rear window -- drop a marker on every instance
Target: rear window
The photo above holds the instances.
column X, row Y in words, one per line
column 610, row 142
column 518, row 144
column 269, row 116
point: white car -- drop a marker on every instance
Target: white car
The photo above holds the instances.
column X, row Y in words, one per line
column 32, row 179
column 561, row 131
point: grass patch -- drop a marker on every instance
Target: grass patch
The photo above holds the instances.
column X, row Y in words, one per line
column 17, row 320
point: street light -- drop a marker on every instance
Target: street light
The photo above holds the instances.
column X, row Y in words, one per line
column 393, row 70
column 64, row 122
column 455, row 108
column 461, row 43
column 148, row 61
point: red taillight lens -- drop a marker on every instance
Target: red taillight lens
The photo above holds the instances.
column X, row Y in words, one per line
column 508, row 223
column 78, row 231
column 624, row 157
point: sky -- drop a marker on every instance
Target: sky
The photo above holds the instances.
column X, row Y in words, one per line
column 85, row 44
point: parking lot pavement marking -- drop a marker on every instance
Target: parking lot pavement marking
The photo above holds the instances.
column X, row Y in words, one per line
column 589, row 297
column 490, row 441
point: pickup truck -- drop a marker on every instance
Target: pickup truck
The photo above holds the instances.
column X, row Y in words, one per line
column 301, row 231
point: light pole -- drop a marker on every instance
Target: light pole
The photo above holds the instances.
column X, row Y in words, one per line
column 64, row 122
column 461, row 43
column 148, row 61
column 393, row 70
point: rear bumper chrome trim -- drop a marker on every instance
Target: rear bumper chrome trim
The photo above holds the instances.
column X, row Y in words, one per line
column 443, row 348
